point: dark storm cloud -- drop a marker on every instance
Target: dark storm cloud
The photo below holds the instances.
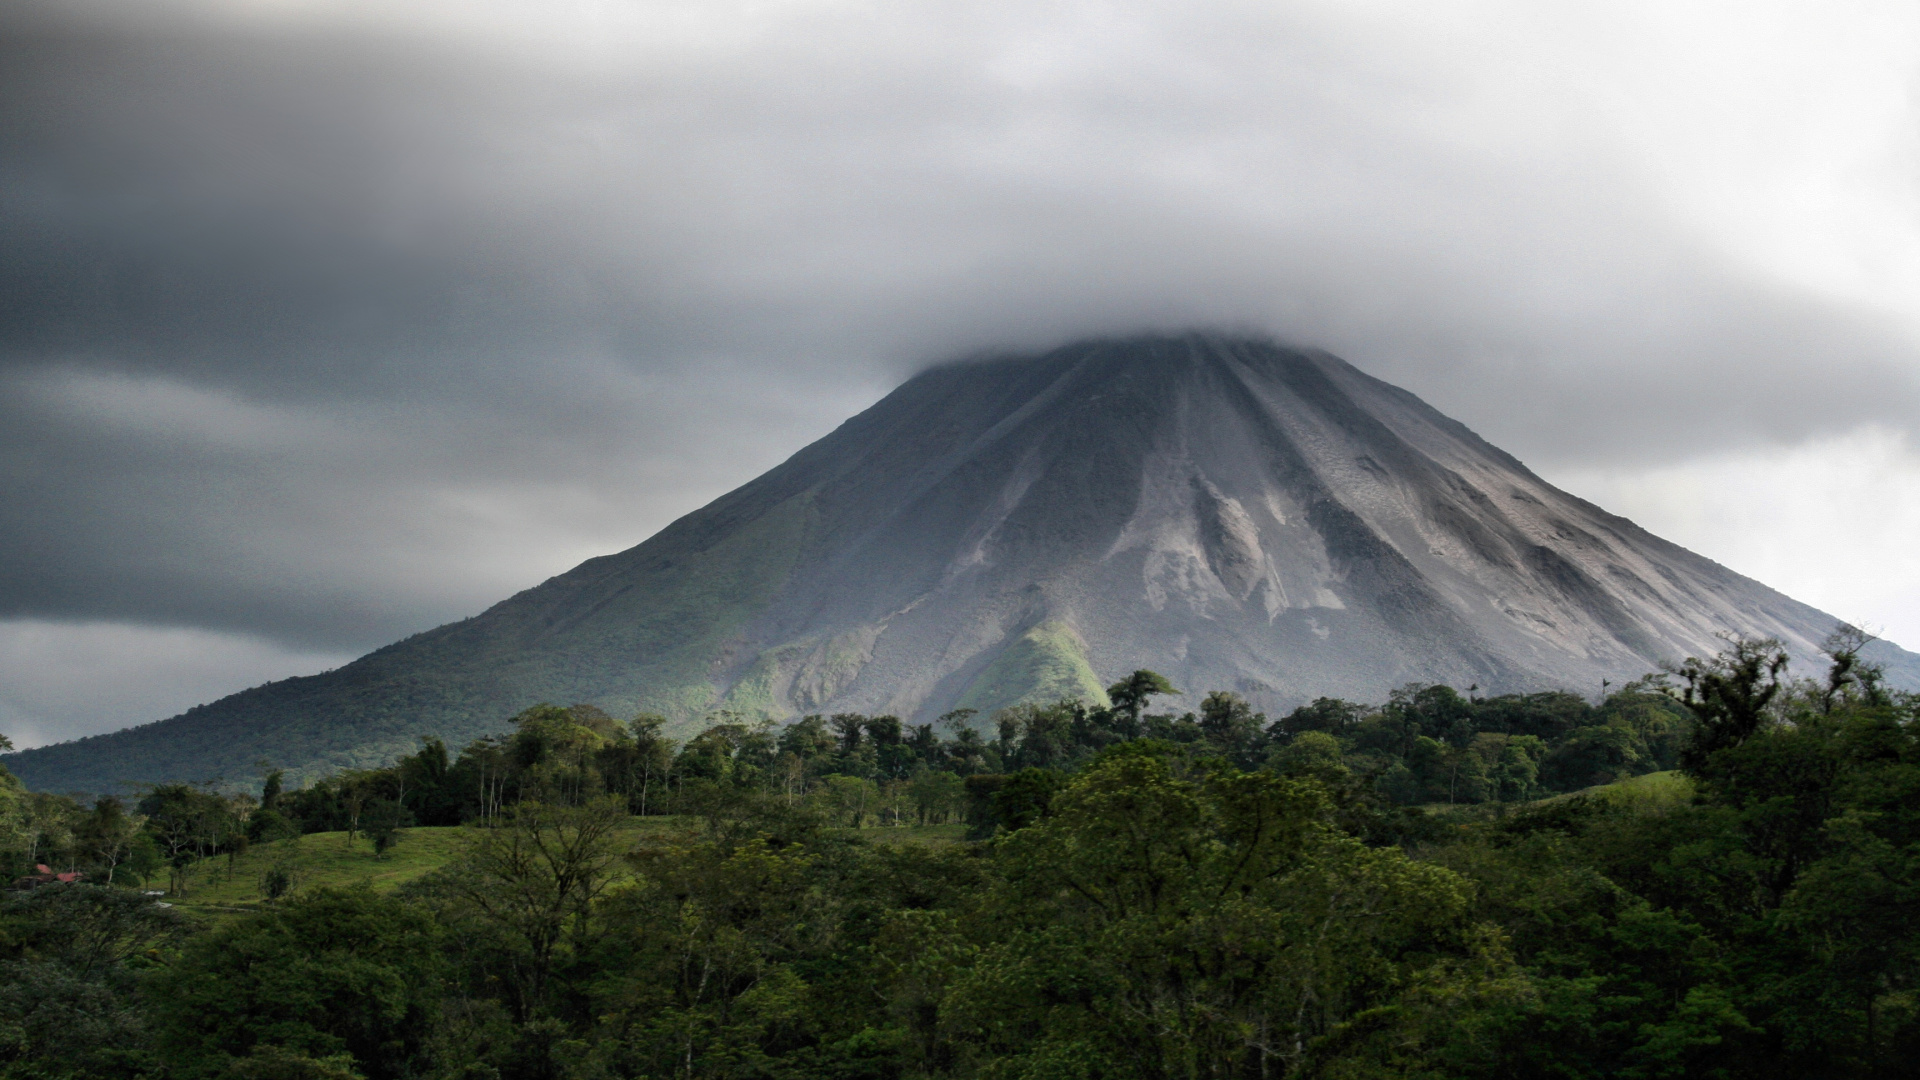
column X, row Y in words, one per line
column 328, row 322
column 294, row 346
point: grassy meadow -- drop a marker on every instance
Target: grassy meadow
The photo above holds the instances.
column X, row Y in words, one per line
column 324, row 858
column 330, row 859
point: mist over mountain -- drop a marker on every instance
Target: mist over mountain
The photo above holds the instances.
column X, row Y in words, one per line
column 1229, row 512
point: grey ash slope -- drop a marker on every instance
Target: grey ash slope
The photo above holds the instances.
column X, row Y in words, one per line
column 1231, row 513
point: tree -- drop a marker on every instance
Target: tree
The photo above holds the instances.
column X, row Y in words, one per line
column 1848, row 674
column 714, row 755
column 383, row 821
column 1515, row 775
column 1046, row 733
column 557, row 750
column 266, row 826
column 1728, row 695
column 106, row 835
column 1026, row 797
column 638, row 766
column 1231, row 726
column 70, row 1003
column 1431, row 764
column 808, row 738
column 1599, row 754
column 981, row 790
column 1331, row 715
column 924, row 742
column 486, row 779
column 884, row 730
column 700, row 960
column 532, row 882
column 188, row 822
column 1131, row 695
column 270, row 790
column 849, row 799
column 1308, row 752
column 1164, row 926
column 424, row 788
column 848, row 727
column 88, row 928
column 357, row 787
column 326, row 973
column 1436, row 712
column 937, row 796
column 968, row 753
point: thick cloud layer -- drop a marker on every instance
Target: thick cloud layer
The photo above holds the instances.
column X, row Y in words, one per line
column 322, row 321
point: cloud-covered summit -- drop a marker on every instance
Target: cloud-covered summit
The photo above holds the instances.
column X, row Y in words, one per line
column 325, row 321
column 1230, row 513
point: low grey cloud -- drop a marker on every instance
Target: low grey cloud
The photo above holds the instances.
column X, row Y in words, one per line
column 70, row 679
column 324, row 322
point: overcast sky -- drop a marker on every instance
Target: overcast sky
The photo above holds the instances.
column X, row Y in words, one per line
column 324, row 322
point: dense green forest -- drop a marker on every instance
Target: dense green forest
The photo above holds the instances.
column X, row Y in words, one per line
column 1442, row 885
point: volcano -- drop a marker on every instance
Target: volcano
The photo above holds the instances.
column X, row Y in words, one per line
column 1232, row 513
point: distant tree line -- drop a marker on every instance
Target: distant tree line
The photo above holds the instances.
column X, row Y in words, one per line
column 1427, row 744
column 1439, row 886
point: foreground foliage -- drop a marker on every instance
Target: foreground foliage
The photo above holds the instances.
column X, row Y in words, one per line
column 1149, row 897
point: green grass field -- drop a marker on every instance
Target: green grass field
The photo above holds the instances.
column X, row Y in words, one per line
column 1652, row 792
column 317, row 859
column 328, row 859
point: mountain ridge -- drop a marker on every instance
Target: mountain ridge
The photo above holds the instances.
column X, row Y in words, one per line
column 1233, row 513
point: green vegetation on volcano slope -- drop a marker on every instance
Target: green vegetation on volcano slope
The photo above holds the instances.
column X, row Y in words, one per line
column 1047, row 663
